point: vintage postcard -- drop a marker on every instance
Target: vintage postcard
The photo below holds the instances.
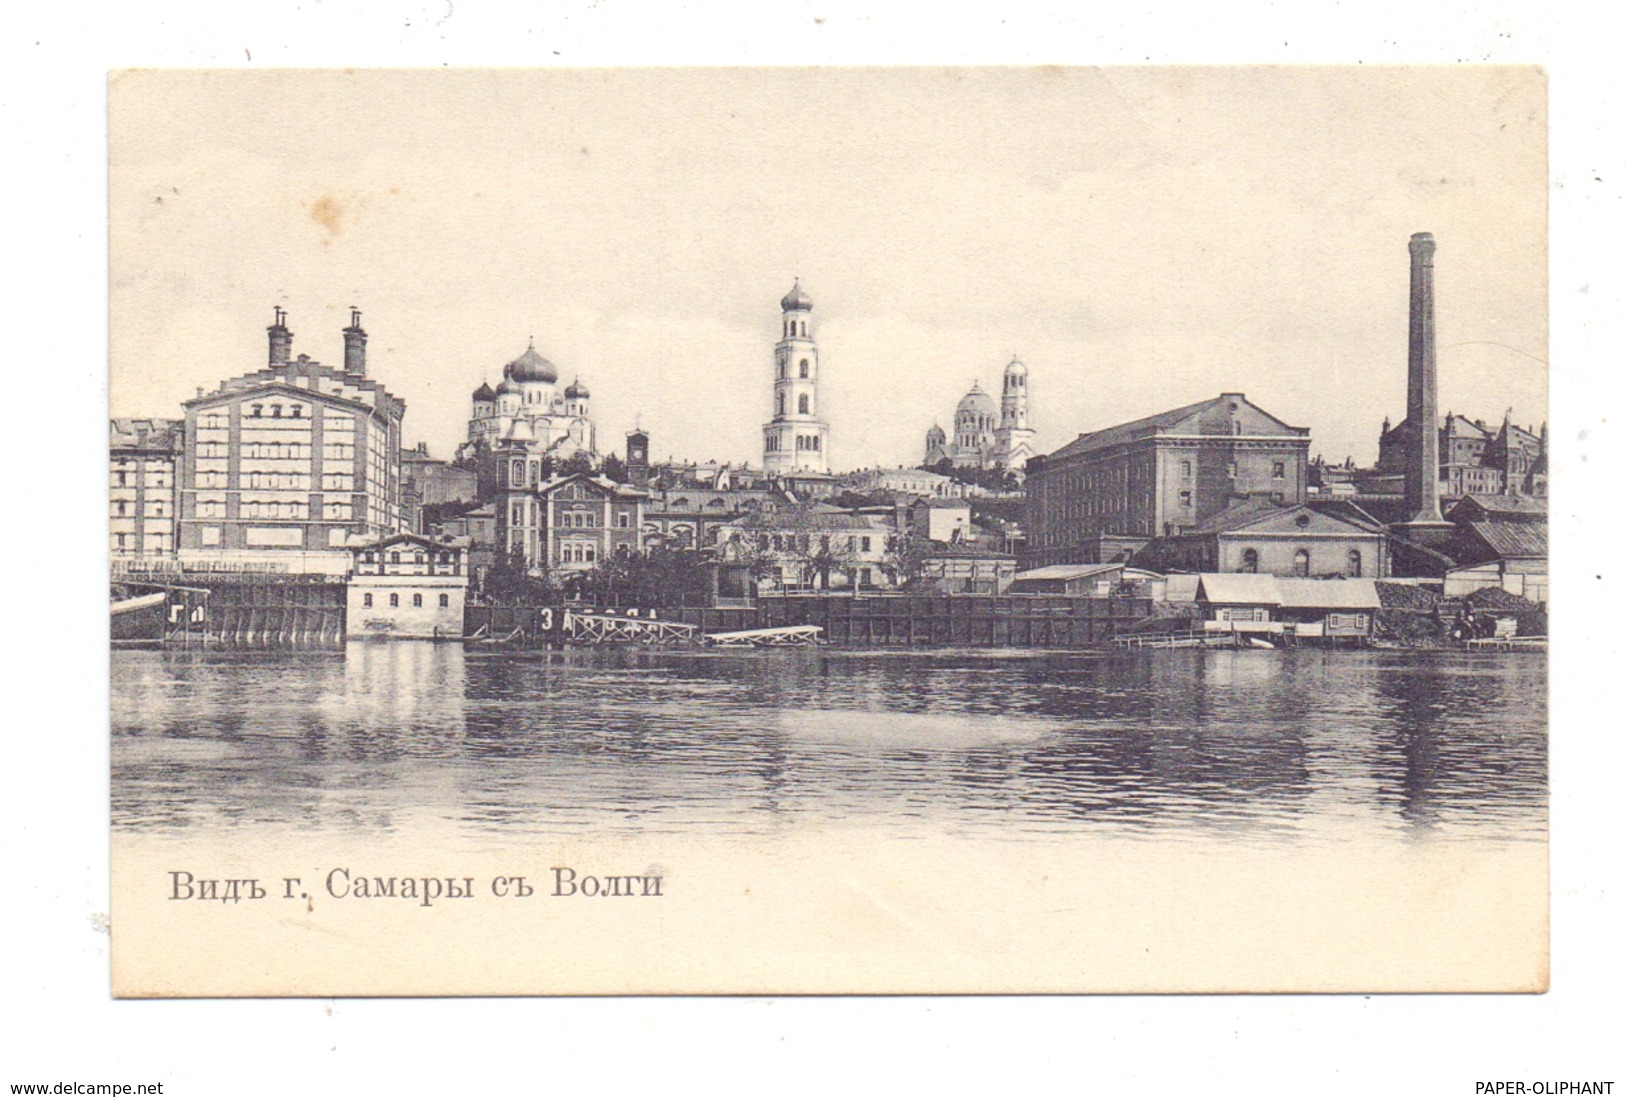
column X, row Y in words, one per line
column 776, row 531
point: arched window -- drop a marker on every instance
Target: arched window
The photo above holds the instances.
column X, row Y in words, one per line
column 804, row 329
column 1354, row 563
column 804, row 367
column 781, row 403
column 366, row 601
column 417, row 601
column 802, row 404
column 1249, row 561
column 1300, row 563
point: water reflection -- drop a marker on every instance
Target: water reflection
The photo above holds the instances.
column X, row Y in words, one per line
column 1301, row 745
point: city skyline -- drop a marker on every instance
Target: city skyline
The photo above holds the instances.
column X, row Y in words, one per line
column 644, row 238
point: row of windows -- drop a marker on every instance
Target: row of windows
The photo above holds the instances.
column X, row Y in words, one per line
column 371, row 557
column 162, row 477
column 792, row 328
column 802, row 542
column 292, row 508
column 578, row 552
column 784, row 367
column 153, row 542
column 395, row 601
column 1353, row 563
column 155, row 509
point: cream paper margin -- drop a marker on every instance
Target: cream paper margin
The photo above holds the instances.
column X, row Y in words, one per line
column 826, row 911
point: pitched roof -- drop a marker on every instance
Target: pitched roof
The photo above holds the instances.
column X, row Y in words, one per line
column 1511, row 538
column 1181, row 587
column 1502, row 505
column 1256, row 512
column 1162, row 421
column 1328, row 593
column 1238, row 588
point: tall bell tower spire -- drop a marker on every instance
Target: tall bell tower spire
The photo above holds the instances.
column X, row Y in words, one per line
column 796, row 439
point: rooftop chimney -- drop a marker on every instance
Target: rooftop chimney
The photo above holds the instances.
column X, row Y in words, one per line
column 281, row 339
column 355, row 345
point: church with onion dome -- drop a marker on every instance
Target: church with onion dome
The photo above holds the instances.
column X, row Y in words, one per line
column 987, row 435
column 529, row 409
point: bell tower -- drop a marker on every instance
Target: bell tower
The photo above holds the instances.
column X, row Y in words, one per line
column 796, row 439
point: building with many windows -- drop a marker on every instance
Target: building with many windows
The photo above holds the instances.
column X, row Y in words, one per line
column 407, row 587
column 565, row 523
column 1107, row 493
column 1475, row 458
column 143, row 455
column 283, row 467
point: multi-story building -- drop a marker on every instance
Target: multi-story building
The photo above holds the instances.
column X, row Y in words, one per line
column 142, row 511
column 796, row 439
column 1109, row 492
column 428, row 482
column 566, row 523
column 986, row 436
column 406, row 586
column 283, row 467
column 1474, row 458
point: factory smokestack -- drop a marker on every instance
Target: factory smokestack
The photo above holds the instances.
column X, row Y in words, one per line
column 1422, row 400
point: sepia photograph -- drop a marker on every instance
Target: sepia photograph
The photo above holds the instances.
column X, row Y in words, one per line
column 891, row 530
column 812, row 546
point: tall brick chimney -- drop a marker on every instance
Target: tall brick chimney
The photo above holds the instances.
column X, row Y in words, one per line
column 1422, row 401
column 355, row 345
column 281, row 339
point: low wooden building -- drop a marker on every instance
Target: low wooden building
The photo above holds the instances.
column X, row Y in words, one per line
column 1301, row 609
column 1331, row 609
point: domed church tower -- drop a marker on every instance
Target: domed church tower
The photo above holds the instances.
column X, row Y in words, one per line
column 796, row 439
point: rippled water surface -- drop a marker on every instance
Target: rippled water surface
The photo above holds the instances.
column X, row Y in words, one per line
column 1284, row 745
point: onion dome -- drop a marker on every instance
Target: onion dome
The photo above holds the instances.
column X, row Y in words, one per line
column 977, row 402
column 484, row 394
column 1015, row 367
column 507, row 387
column 576, row 391
column 529, row 367
column 796, row 299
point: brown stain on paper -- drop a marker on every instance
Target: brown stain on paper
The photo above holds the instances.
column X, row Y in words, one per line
column 327, row 213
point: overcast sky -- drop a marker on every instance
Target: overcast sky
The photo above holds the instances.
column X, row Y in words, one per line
column 1142, row 238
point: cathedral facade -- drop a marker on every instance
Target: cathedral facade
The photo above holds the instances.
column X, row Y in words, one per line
column 796, row 440
column 987, row 435
column 528, row 410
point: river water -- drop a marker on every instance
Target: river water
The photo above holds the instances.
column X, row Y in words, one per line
column 1300, row 746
